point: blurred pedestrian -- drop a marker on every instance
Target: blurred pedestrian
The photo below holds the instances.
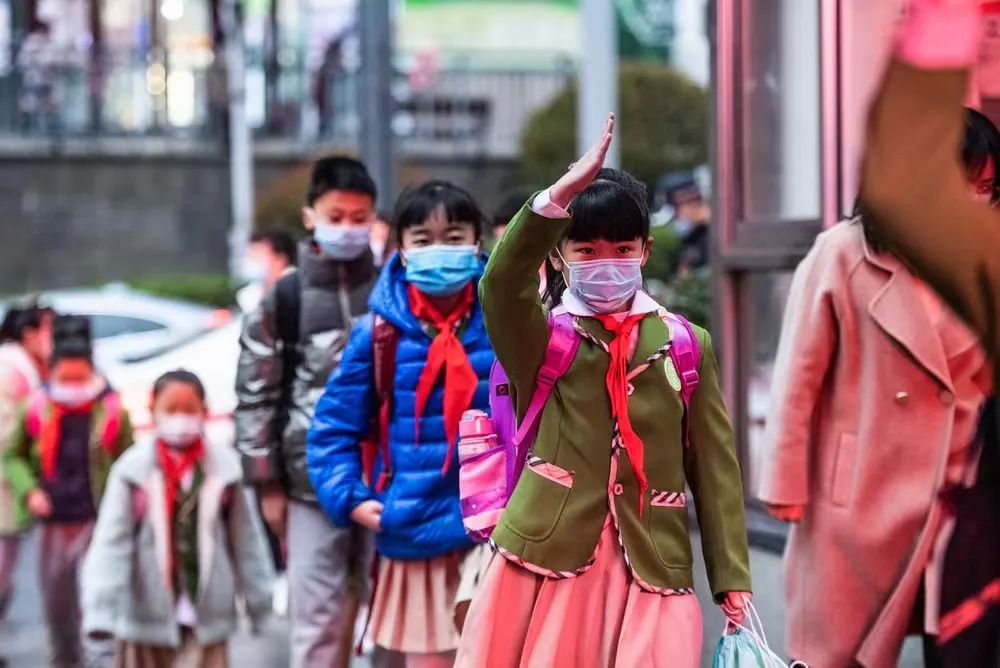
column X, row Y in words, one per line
column 57, row 465
column 505, row 212
column 877, row 391
column 25, row 348
column 176, row 542
column 593, row 563
column 290, row 345
column 413, row 366
column 690, row 223
column 912, row 185
column 270, row 255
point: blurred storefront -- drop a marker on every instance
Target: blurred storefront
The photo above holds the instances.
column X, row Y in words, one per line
column 792, row 83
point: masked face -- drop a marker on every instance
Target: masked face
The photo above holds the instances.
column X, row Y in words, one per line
column 179, row 414
column 179, row 430
column 605, row 275
column 442, row 270
column 74, row 383
column 606, row 286
column 342, row 242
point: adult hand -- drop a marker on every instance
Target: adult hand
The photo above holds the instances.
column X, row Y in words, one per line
column 369, row 515
column 785, row 512
column 735, row 605
column 274, row 508
column 582, row 172
column 39, row 504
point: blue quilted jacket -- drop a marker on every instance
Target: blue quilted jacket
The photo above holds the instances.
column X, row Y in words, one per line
column 422, row 518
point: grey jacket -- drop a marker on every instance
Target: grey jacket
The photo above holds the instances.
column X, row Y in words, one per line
column 127, row 588
column 270, row 429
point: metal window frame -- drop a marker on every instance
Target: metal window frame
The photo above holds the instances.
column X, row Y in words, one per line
column 744, row 245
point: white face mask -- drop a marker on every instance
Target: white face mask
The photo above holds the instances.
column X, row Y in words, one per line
column 179, row 430
column 605, row 286
column 342, row 242
column 253, row 270
column 74, row 395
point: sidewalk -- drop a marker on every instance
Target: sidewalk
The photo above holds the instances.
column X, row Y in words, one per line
column 23, row 640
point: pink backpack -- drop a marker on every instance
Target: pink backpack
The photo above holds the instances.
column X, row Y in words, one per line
column 492, row 452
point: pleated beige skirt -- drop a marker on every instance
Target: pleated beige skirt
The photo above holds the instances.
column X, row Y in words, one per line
column 414, row 606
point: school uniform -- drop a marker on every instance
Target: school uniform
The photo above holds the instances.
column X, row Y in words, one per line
column 422, row 541
column 581, row 532
column 67, row 453
column 165, row 567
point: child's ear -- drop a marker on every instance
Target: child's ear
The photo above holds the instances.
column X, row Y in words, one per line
column 646, row 249
column 307, row 219
column 556, row 261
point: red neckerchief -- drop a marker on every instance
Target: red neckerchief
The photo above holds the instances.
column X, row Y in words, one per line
column 446, row 352
column 617, row 382
column 175, row 463
column 51, row 434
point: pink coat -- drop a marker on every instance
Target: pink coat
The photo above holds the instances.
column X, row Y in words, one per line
column 867, row 399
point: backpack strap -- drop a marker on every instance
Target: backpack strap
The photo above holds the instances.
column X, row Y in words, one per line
column 564, row 342
column 38, row 410
column 288, row 311
column 112, row 405
column 385, row 340
column 685, row 352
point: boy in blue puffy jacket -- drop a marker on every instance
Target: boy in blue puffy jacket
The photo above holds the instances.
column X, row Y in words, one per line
column 410, row 370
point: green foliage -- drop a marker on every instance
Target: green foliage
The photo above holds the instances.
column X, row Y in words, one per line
column 663, row 126
column 665, row 244
column 691, row 296
column 209, row 289
column 280, row 204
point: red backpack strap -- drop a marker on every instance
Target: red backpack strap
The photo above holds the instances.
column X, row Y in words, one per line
column 112, row 405
column 385, row 340
column 685, row 352
column 37, row 413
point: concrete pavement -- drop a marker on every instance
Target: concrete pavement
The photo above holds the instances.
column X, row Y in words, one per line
column 23, row 640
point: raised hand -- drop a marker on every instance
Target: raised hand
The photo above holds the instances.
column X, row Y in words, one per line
column 582, row 172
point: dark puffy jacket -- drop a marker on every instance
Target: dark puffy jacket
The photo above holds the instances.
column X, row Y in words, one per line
column 422, row 518
column 272, row 419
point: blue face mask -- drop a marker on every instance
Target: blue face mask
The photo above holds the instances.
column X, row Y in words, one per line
column 442, row 270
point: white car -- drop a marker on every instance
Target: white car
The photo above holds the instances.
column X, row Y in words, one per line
column 129, row 325
column 213, row 356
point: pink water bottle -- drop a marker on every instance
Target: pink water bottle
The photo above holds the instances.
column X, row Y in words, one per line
column 476, row 434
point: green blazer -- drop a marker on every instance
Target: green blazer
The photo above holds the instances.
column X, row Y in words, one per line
column 915, row 196
column 555, row 526
column 22, row 462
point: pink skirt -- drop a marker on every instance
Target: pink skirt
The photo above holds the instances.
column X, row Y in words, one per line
column 599, row 618
column 414, row 606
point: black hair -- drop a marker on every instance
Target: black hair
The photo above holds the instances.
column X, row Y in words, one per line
column 280, row 241
column 18, row 319
column 509, row 207
column 182, row 376
column 71, row 338
column 418, row 204
column 339, row 173
column 613, row 208
column 980, row 144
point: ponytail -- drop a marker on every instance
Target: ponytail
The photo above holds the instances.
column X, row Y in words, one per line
column 555, row 285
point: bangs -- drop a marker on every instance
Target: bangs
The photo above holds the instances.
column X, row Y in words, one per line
column 421, row 203
column 609, row 211
column 981, row 143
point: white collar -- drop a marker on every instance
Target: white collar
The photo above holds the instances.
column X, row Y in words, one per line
column 642, row 304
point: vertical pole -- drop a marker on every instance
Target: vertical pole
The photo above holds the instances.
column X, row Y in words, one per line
column 597, row 78
column 240, row 141
column 95, row 76
column 376, row 103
